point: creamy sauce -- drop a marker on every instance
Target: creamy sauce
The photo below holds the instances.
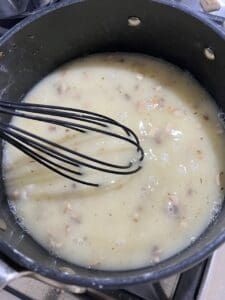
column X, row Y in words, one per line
column 130, row 221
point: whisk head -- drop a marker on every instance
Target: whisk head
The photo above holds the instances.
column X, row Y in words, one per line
column 65, row 161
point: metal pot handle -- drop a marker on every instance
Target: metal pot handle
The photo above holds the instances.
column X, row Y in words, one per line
column 8, row 274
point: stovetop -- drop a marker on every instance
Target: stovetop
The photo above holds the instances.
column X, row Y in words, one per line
column 203, row 282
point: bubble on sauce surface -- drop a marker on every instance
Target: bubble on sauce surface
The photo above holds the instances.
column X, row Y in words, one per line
column 215, row 211
column 221, row 117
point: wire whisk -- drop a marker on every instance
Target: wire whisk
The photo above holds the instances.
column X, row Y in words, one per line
column 58, row 158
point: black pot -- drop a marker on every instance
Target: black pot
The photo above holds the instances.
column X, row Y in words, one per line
column 42, row 42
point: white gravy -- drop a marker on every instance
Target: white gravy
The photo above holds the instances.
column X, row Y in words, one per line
column 130, row 221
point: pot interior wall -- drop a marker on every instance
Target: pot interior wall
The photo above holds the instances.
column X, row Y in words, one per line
column 32, row 51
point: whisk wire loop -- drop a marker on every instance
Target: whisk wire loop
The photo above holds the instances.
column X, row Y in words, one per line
column 50, row 154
